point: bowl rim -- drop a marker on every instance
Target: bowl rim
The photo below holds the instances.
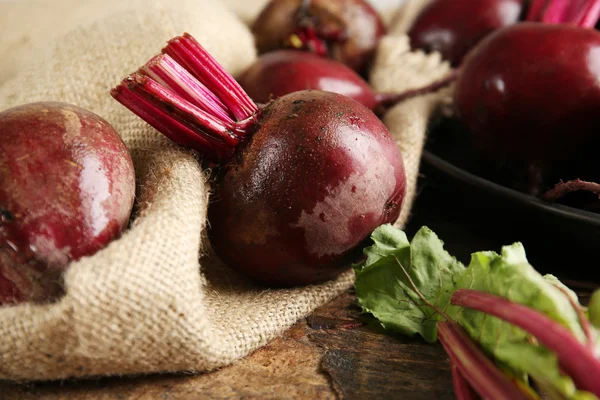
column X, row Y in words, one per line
column 559, row 210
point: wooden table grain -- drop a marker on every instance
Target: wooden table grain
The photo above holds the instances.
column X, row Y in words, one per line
column 335, row 353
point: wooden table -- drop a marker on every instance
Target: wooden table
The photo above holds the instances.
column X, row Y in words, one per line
column 330, row 354
column 335, row 353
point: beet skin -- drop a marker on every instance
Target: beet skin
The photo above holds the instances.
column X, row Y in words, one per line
column 531, row 93
column 280, row 72
column 294, row 206
column 454, row 27
column 66, row 189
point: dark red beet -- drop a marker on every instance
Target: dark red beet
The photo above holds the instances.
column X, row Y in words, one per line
column 453, row 27
column 281, row 72
column 66, row 189
column 531, row 92
column 300, row 198
column 303, row 181
column 346, row 30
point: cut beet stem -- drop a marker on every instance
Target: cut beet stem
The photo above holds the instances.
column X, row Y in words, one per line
column 167, row 72
column 191, row 55
column 583, row 13
column 163, row 122
column 185, row 94
column 536, row 10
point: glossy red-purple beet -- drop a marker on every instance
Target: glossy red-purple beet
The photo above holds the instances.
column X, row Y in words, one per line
column 66, row 189
column 531, row 92
column 281, row 72
column 349, row 28
column 453, row 27
column 320, row 174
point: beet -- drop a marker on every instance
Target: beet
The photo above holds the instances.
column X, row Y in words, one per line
column 454, row 27
column 315, row 179
column 66, row 190
column 281, row 72
column 527, row 93
column 346, row 30
column 302, row 181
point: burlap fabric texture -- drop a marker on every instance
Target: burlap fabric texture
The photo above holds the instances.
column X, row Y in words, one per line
column 148, row 302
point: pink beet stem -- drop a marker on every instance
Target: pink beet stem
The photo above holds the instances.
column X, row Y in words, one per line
column 559, row 11
column 158, row 118
column 574, row 356
column 202, row 108
column 168, row 73
column 243, row 128
column 462, row 389
column 590, row 14
column 182, row 110
column 536, row 10
column 483, row 376
column 191, row 55
column 583, row 13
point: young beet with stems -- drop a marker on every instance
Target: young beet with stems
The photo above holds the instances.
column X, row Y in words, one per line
column 281, row 72
column 332, row 62
column 303, row 180
column 345, row 30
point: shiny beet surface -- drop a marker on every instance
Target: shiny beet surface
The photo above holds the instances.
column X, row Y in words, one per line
column 349, row 28
column 294, row 205
column 66, row 189
column 531, row 92
column 453, row 27
column 281, row 72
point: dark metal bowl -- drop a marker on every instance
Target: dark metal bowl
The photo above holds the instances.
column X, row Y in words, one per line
column 471, row 213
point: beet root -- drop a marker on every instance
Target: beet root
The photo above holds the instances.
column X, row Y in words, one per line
column 315, row 180
column 303, row 180
column 527, row 94
column 454, row 27
column 346, row 30
column 66, row 189
column 281, row 72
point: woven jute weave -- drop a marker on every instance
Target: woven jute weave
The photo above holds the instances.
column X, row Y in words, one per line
column 156, row 300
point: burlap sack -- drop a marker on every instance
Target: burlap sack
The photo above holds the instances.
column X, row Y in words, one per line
column 145, row 303
column 398, row 69
column 27, row 27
